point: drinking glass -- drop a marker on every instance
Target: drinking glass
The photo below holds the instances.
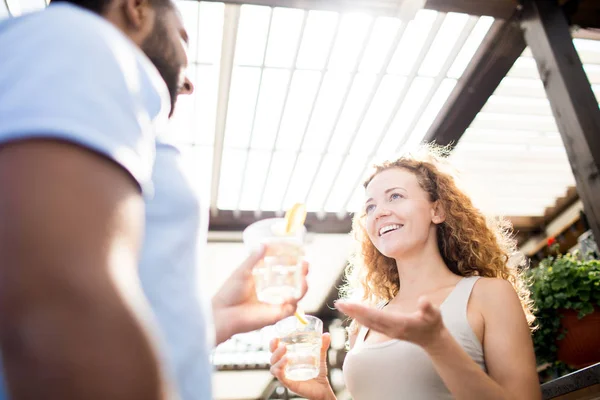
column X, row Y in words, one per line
column 303, row 343
column 279, row 276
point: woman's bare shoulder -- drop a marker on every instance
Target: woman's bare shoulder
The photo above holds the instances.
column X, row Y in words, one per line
column 493, row 292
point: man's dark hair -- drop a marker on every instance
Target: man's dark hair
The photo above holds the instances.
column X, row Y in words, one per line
column 100, row 6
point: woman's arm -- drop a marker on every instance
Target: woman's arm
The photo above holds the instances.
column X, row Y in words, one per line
column 507, row 345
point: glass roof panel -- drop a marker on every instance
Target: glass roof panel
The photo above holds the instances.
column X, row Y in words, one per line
column 512, row 156
column 343, row 187
column 190, row 14
column 353, row 31
column 4, row 10
column 443, row 43
column 199, row 160
column 252, row 35
column 355, row 104
column 279, row 174
column 255, row 174
column 412, row 42
column 322, row 184
column 438, row 100
column 317, row 39
column 181, row 126
column 244, row 89
column 379, row 112
column 357, row 200
column 415, row 96
column 329, row 102
column 303, row 91
column 204, row 115
column 299, row 184
column 230, row 182
column 274, row 86
column 210, row 32
column 285, row 31
column 517, row 105
column 27, row 6
column 14, row 7
column 470, row 47
column 379, row 44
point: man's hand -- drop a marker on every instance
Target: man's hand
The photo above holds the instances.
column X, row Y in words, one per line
column 236, row 308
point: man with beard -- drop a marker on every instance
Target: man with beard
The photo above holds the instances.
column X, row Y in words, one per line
column 79, row 107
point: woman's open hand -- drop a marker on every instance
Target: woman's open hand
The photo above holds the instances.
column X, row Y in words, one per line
column 422, row 327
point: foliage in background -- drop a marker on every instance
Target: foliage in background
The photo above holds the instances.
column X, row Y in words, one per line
column 560, row 282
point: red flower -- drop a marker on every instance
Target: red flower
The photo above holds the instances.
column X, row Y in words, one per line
column 551, row 241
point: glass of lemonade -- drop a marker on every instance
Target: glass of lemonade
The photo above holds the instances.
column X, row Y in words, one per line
column 279, row 276
column 303, row 343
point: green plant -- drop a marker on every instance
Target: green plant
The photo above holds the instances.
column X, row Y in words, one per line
column 561, row 282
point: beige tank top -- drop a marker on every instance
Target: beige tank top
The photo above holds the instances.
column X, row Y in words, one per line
column 399, row 370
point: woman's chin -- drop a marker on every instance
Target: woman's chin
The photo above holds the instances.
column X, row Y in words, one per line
column 396, row 252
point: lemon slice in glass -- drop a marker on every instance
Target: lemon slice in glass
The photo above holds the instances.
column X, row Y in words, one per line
column 294, row 218
column 301, row 316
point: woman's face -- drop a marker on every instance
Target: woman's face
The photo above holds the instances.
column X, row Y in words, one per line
column 400, row 217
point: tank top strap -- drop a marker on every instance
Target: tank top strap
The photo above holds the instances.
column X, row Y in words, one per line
column 362, row 333
column 459, row 298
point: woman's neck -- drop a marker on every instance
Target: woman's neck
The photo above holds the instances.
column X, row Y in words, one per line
column 422, row 272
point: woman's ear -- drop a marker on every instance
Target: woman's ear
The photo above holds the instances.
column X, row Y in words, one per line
column 438, row 214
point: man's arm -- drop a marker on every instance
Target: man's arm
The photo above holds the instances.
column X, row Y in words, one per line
column 70, row 229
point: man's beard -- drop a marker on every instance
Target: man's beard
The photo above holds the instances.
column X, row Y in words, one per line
column 156, row 47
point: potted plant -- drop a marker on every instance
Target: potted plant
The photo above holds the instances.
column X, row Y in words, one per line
column 565, row 290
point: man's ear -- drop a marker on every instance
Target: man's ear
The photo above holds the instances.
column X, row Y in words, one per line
column 438, row 214
column 139, row 14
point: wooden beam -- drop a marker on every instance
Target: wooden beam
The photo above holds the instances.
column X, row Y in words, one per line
column 500, row 9
column 502, row 46
column 571, row 97
column 230, row 221
column 237, row 221
column 494, row 8
column 584, row 13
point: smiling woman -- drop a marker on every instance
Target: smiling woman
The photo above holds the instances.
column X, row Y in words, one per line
column 443, row 310
column 422, row 187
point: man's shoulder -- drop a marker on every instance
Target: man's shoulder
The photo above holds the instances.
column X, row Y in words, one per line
column 55, row 20
column 68, row 74
column 66, row 30
column 66, row 43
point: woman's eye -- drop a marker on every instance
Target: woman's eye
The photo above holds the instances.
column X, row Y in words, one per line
column 369, row 208
column 395, row 196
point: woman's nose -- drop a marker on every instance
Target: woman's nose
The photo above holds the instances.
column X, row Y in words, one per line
column 381, row 212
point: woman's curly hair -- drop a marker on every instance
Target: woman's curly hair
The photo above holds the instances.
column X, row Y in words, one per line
column 470, row 243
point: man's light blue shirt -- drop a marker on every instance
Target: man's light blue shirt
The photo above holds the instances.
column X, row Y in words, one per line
column 176, row 228
column 68, row 74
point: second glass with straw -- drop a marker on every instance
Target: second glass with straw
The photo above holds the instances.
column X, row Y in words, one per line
column 279, row 276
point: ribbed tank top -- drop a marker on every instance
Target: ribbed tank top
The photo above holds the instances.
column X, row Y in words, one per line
column 400, row 370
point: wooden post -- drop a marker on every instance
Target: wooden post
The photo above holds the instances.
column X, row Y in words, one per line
column 573, row 103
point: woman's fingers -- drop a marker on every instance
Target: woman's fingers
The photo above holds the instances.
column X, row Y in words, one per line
column 278, row 369
column 428, row 310
column 326, row 341
column 277, row 354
